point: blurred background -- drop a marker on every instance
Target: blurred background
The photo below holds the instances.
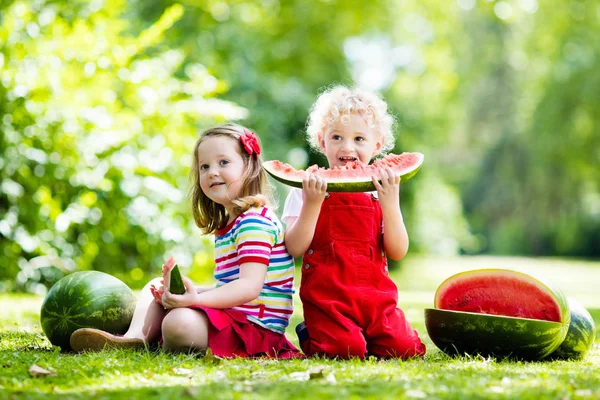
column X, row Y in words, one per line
column 101, row 103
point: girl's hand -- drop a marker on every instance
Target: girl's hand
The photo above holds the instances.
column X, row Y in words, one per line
column 314, row 189
column 189, row 298
column 388, row 190
column 157, row 292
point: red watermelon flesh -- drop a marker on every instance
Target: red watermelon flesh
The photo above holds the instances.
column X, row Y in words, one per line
column 501, row 292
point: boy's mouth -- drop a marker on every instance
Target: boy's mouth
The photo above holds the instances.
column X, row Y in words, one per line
column 346, row 159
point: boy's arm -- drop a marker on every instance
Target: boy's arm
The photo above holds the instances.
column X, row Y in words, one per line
column 395, row 237
column 301, row 230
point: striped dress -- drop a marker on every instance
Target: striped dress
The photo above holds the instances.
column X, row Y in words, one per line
column 257, row 236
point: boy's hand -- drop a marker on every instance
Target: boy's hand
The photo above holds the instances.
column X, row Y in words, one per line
column 314, row 189
column 388, row 190
column 190, row 297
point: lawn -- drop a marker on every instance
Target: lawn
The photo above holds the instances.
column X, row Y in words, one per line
column 152, row 374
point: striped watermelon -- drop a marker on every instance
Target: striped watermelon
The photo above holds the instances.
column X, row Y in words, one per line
column 87, row 299
column 580, row 336
column 498, row 312
column 353, row 177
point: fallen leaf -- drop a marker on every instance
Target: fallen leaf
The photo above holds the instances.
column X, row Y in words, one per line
column 182, row 371
column 210, row 358
column 300, row 376
column 191, row 391
column 35, row 371
column 315, row 372
column 416, row 394
column 331, row 378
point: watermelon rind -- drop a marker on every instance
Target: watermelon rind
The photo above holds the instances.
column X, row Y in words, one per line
column 581, row 334
column 545, row 285
column 467, row 333
column 176, row 285
column 339, row 185
column 86, row 299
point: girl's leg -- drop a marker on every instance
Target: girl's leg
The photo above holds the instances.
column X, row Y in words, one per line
column 144, row 327
column 147, row 317
column 185, row 329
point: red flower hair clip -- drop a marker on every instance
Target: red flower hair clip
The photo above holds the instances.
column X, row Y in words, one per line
column 250, row 142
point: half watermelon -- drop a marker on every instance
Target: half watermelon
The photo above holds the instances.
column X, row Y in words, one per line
column 498, row 312
column 353, row 177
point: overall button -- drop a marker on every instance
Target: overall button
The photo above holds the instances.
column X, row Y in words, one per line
column 310, row 251
column 307, row 266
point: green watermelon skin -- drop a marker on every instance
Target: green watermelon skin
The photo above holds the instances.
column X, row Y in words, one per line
column 461, row 333
column 580, row 336
column 87, row 299
column 176, row 285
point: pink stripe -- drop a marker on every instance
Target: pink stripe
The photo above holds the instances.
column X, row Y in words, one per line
column 281, row 251
column 225, row 266
column 254, row 251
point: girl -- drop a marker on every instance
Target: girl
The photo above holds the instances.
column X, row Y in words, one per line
column 348, row 298
column 247, row 312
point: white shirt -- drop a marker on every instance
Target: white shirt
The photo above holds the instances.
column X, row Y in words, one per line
column 293, row 205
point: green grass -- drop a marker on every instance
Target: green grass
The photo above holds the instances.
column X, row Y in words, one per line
column 152, row 374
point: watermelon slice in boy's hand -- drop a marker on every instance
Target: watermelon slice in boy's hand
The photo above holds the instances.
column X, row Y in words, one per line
column 353, row 177
column 171, row 274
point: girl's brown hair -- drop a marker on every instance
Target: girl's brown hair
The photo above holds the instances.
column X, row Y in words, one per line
column 255, row 189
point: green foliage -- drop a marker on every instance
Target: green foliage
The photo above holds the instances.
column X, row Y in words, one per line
column 101, row 103
column 97, row 127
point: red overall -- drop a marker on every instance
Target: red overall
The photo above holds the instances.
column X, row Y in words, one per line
column 348, row 298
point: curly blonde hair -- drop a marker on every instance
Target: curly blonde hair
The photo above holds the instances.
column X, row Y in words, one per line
column 255, row 188
column 338, row 103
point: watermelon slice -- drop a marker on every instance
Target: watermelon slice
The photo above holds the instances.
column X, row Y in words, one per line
column 353, row 177
column 171, row 274
column 498, row 312
column 176, row 285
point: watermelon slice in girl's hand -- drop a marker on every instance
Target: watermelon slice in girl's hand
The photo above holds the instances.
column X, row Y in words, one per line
column 171, row 274
column 353, row 177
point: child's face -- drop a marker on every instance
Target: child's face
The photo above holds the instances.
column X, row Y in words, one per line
column 350, row 142
column 221, row 169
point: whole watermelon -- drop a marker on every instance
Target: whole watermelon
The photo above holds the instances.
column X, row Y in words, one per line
column 580, row 336
column 87, row 299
